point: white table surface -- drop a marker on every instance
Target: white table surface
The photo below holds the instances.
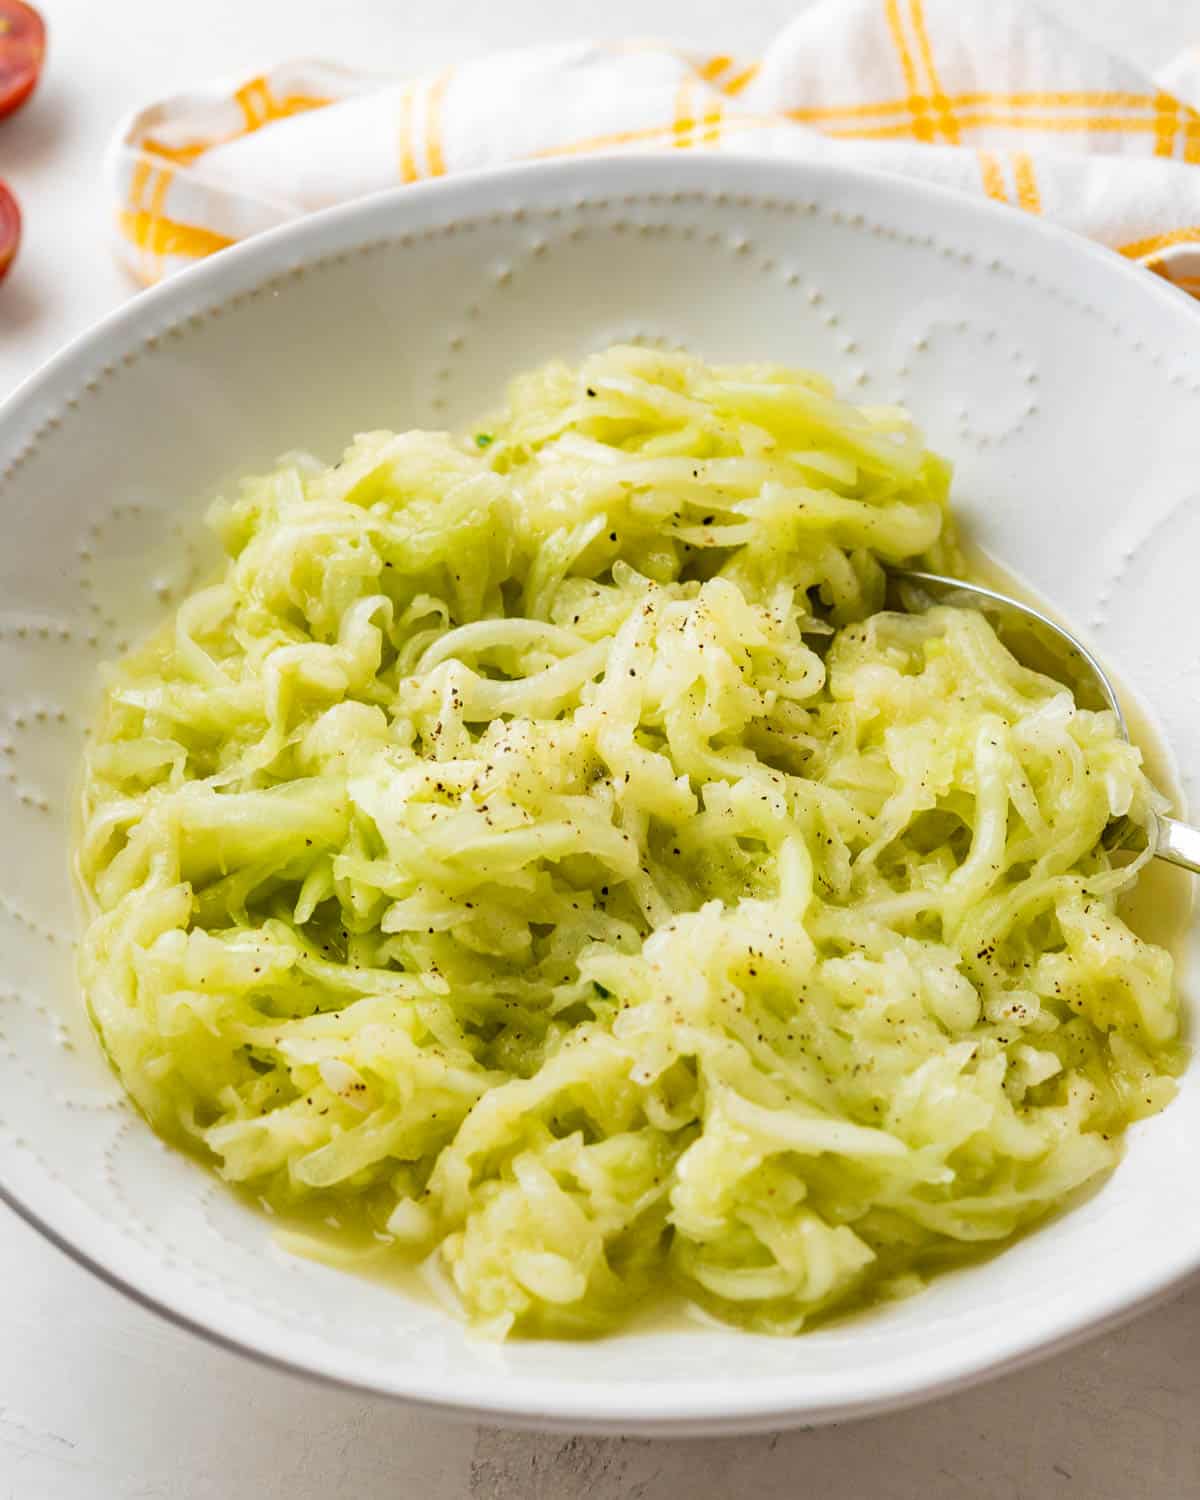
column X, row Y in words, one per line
column 100, row 1400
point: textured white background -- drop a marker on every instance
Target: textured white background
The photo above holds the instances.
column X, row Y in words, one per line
column 101, row 1401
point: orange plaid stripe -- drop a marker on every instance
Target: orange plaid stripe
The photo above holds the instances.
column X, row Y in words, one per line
column 154, row 211
column 1011, row 104
column 152, row 233
column 897, row 130
column 1191, row 137
column 714, row 67
column 408, row 160
column 834, row 112
column 139, row 181
column 433, row 124
column 711, row 124
column 919, row 124
column 259, row 107
column 1005, row 120
column 1066, row 98
column 655, row 134
column 159, row 236
column 943, row 113
column 1027, row 189
column 684, row 122
column 252, row 103
column 1138, row 249
column 738, row 82
column 992, row 174
column 1166, row 120
column 1019, row 110
column 182, row 156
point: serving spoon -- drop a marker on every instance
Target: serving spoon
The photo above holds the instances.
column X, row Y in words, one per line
column 1040, row 642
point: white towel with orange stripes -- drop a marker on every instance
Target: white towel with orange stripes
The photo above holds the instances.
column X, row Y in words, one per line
column 984, row 96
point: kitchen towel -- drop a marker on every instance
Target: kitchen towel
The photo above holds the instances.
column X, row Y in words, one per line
column 991, row 97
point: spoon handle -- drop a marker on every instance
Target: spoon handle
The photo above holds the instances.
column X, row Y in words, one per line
column 1180, row 843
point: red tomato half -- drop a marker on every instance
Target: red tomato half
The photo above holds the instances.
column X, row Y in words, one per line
column 22, row 48
column 10, row 229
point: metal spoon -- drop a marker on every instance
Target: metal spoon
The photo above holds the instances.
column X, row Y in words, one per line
column 1038, row 641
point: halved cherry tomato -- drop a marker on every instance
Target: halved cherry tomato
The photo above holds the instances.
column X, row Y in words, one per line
column 22, row 48
column 10, row 229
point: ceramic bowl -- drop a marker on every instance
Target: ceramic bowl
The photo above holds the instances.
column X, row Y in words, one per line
column 1065, row 386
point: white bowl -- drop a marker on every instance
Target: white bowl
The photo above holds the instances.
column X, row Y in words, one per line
column 1065, row 386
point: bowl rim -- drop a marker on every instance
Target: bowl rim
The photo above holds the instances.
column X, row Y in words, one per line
column 546, row 1402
